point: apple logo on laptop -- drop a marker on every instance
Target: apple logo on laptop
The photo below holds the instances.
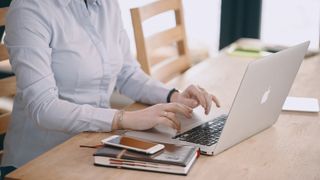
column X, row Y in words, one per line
column 265, row 96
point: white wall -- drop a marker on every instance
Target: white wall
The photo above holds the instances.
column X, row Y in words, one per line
column 289, row 22
column 202, row 19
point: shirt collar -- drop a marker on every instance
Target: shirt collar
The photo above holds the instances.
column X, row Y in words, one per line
column 64, row 3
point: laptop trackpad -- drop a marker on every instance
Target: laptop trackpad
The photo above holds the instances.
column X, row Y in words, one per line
column 164, row 134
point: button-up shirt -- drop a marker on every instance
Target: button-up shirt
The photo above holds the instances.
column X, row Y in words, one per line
column 68, row 59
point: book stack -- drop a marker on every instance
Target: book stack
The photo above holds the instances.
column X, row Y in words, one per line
column 173, row 159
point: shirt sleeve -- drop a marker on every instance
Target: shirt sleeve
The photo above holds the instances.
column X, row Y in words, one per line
column 28, row 42
column 134, row 82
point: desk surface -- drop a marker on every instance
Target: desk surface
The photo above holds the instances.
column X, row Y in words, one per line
column 288, row 150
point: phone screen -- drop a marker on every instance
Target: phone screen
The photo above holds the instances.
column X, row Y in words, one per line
column 126, row 141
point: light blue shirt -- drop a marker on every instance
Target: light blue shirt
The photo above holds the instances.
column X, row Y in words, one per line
column 68, row 60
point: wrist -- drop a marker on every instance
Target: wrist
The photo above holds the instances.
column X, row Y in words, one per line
column 115, row 122
column 129, row 119
column 172, row 95
column 118, row 120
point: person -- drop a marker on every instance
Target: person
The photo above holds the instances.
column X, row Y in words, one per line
column 68, row 57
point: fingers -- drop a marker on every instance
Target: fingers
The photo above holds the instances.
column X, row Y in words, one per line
column 165, row 121
column 208, row 99
column 215, row 100
column 168, row 114
column 189, row 102
column 205, row 99
column 197, row 93
column 200, row 95
column 179, row 108
column 172, row 118
column 209, row 103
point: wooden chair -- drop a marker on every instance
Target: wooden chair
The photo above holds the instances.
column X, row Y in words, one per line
column 161, row 69
column 7, row 84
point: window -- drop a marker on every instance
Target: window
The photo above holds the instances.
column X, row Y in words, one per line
column 290, row 22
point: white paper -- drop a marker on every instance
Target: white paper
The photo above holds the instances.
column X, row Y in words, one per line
column 301, row 104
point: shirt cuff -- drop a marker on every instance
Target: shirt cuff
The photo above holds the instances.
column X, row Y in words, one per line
column 102, row 119
column 160, row 93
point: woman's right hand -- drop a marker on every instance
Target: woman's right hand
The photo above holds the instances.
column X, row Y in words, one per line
column 157, row 114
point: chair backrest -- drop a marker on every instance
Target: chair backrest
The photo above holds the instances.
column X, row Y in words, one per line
column 163, row 69
column 3, row 12
column 3, row 52
column 7, row 84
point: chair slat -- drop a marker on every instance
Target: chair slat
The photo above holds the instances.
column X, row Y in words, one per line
column 4, row 122
column 159, row 7
column 163, row 53
column 4, row 55
column 3, row 12
column 165, row 38
column 140, row 41
column 168, row 71
column 8, row 86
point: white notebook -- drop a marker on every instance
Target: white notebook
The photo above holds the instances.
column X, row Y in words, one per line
column 301, row 104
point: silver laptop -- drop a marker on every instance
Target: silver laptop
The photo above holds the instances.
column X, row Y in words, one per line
column 257, row 105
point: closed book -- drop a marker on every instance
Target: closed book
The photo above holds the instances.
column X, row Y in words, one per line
column 173, row 159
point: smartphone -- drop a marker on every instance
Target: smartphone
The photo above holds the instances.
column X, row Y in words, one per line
column 133, row 144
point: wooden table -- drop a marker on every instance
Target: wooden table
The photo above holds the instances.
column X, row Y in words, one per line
column 288, row 150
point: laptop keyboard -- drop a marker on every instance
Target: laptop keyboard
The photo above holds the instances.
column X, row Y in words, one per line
column 206, row 134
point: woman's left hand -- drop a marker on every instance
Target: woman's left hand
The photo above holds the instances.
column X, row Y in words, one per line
column 194, row 96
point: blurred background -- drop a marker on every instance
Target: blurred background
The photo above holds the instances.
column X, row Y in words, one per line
column 213, row 24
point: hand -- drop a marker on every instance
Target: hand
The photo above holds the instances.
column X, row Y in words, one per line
column 157, row 114
column 193, row 96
